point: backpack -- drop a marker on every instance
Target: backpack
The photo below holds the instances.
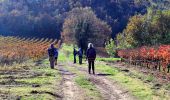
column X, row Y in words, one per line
column 91, row 53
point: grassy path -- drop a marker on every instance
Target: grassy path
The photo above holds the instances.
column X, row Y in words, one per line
column 107, row 88
column 69, row 88
column 96, row 87
column 68, row 81
column 115, row 83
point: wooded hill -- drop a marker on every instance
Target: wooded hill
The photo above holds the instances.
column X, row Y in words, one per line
column 45, row 18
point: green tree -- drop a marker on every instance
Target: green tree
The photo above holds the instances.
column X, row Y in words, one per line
column 111, row 47
column 162, row 26
column 150, row 29
column 124, row 40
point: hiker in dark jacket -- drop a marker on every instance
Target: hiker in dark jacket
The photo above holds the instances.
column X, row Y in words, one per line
column 53, row 55
column 91, row 56
column 74, row 53
column 80, row 53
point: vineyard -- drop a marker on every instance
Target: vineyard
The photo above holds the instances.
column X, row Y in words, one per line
column 29, row 76
column 157, row 57
column 17, row 50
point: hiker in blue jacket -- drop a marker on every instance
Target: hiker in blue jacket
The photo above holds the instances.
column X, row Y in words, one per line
column 91, row 56
column 53, row 55
column 80, row 53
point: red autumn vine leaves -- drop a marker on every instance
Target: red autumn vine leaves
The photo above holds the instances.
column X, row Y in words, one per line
column 16, row 49
column 160, row 53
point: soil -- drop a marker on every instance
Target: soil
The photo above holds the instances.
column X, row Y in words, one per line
column 67, row 89
column 70, row 91
column 108, row 89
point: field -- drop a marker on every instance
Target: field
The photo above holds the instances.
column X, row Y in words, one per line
column 25, row 75
column 18, row 50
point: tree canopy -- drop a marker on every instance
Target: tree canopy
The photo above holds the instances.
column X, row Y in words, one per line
column 150, row 29
column 82, row 26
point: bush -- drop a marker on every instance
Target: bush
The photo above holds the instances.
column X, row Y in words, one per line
column 111, row 48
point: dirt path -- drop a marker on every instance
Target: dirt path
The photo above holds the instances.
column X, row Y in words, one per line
column 109, row 90
column 70, row 90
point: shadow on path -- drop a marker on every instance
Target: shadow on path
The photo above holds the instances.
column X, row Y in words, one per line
column 101, row 74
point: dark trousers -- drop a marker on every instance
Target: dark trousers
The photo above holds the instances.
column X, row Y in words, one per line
column 80, row 59
column 52, row 62
column 74, row 58
column 91, row 66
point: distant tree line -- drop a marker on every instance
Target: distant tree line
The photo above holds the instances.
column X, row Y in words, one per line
column 46, row 17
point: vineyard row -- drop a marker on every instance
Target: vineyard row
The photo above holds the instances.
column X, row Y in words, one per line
column 151, row 57
column 15, row 49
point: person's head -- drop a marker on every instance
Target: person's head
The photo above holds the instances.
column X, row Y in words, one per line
column 90, row 45
column 52, row 45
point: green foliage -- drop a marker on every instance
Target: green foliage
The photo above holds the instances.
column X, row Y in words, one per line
column 125, row 40
column 111, row 47
column 108, row 59
column 150, row 29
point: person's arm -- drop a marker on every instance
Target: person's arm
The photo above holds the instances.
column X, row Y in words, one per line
column 56, row 53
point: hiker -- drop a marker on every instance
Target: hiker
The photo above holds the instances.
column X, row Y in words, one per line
column 53, row 55
column 74, row 53
column 91, row 56
column 80, row 53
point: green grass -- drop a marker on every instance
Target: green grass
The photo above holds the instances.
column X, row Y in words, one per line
column 82, row 80
column 137, row 87
column 168, row 87
column 149, row 78
column 42, row 80
column 39, row 97
column 108, row 59
column 47, row 80
column 88, row 87
column 66, row 53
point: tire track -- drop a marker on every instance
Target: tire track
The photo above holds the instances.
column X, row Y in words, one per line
column 70, row 90
column 109, row 90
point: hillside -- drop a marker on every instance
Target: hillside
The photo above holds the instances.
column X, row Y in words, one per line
column 44, row 18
